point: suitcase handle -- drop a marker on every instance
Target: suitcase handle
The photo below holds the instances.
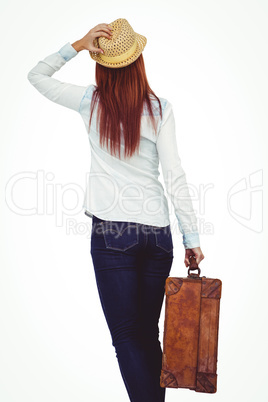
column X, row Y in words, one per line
column 193, row 267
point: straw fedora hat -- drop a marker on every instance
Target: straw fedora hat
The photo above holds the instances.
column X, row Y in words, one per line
column 122, row 49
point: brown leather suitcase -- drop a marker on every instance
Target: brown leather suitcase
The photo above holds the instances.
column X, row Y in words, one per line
column 190, row 340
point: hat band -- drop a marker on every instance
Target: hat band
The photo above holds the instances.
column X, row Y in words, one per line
column 121, row 57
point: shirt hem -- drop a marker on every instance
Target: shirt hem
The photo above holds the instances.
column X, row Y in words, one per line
column 118, row 218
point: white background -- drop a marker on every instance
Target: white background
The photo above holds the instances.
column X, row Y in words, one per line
column 209, row 59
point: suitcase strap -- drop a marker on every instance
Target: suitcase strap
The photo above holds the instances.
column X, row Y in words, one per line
column 193, row 267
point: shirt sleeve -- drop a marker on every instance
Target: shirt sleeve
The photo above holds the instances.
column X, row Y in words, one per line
column 63, row 93
column 175, row 179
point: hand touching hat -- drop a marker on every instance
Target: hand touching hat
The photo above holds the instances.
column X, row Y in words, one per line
column 99, row 30
column 113, row 45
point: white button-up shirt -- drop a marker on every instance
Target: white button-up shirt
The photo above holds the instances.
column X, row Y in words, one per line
column 126, row 189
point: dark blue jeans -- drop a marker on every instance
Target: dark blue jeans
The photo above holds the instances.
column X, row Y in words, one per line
column 131, row 263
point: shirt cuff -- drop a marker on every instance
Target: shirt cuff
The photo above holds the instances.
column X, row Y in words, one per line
column 191, row 240
column 67, row 51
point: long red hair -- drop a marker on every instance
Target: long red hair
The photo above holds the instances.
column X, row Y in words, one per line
column 121, row 93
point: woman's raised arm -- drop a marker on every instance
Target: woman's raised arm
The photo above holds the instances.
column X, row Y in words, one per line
column 63, row 93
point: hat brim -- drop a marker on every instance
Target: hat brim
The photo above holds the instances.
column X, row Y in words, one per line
column 141, row 42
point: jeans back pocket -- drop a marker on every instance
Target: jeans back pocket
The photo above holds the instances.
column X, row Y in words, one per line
column 120, row 235
column 163, row 238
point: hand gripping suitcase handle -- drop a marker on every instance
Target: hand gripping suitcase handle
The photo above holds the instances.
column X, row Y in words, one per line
column 193, row 267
